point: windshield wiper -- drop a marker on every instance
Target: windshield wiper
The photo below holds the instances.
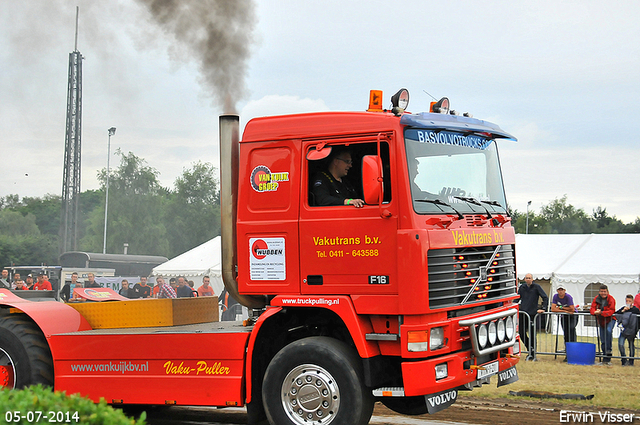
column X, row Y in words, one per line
column 474, row 201
column 493, row 203
column 438, row 202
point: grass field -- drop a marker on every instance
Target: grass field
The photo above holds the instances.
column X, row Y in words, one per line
column 613, row 386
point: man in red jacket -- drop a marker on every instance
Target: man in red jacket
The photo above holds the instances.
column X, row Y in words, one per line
column 603, row 307
column 43, row 284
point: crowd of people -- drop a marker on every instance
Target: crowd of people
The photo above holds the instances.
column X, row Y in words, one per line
column 178, row 287
column 603, row 308
column 18, row 283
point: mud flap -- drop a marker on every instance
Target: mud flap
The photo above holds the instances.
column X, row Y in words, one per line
column 440, row 401
column 508, row 376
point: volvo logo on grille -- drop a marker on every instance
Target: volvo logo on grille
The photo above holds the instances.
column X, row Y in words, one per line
column 483, row 273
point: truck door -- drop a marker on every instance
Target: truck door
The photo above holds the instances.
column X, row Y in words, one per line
column 344, row 249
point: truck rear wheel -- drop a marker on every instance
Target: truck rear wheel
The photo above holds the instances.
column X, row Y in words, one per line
column 316, row 380
column 25, row 358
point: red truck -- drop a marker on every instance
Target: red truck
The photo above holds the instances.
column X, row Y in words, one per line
column 406, row 300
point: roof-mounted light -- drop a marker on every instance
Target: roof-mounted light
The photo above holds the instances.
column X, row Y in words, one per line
column 375, row 101
column 441, row 106
column 400, row 101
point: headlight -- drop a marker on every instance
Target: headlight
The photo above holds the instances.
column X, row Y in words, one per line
column 510, row 327
column 501, row 330
column 493, row 333
column 482, row 335
column 436, row 339
column 441, row 371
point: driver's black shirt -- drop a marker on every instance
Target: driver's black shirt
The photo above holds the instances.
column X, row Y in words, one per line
column 329, row 191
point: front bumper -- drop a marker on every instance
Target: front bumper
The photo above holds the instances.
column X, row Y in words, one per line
column 419, row 377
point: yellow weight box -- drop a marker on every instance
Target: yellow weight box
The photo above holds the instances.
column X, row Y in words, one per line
column 150, row 312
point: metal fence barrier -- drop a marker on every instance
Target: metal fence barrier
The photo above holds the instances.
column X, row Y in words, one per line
column 549, row 331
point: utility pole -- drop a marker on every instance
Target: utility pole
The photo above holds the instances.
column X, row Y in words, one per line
column 527, row 229
column 111, row 131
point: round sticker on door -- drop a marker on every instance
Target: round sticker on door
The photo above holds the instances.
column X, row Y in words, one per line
column 259, row 249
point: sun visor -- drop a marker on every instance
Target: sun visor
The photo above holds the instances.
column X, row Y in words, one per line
column 455, row 123
column 318, row 152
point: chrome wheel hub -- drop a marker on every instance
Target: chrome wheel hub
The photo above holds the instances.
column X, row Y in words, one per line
column 310, row 395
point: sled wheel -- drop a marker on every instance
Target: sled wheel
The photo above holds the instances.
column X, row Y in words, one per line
column 25, row 358
column 316, row 380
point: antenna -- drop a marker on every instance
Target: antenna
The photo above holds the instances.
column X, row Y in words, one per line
column 77, row 13
column 430, row 95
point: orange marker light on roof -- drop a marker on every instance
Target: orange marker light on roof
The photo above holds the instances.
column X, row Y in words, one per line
column 375, row 101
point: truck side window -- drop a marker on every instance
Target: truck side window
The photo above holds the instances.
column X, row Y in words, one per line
column 328, row 183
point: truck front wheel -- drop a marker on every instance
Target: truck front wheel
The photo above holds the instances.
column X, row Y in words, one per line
column 316, row 380
column 25, row 358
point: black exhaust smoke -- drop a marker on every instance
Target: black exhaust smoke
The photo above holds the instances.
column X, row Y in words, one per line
column 219, row 33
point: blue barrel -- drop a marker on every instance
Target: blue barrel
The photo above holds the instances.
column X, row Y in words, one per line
column 582, row 353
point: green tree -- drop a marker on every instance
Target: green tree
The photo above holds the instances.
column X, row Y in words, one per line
column 136, row 203
column 46, row 210
column 193, row 212
column 604, row 223
column 561, row 217
column 21, row 241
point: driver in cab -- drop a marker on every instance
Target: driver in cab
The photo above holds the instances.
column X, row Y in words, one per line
column 330, row 187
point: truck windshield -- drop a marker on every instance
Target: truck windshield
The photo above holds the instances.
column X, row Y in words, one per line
column 445, row 167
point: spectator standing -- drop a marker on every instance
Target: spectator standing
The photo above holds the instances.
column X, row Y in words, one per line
column 603, row 307
column 529, row 293
column 173, row 282
column 166, row 290
column 42, row 284
column 206, row 290
column 16, row 278
column 74, row 297
column 4, row 279
column 228, row 306
column 91, row 281
column 125, row 291
column 184, row 290
column 193, row 291
column 155, row 290
column 627, row 317
column 29, row 282
column 65, row 292
column 636, row 300
column 20, row 286
column 563, row 303
column 141, row 289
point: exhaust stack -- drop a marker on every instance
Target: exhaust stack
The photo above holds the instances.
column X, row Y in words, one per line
column 229, row 164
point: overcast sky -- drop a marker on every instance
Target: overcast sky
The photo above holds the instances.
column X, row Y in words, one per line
column 563, row 77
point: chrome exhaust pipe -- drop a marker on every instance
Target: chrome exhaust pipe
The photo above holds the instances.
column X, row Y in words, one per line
column 229, row 165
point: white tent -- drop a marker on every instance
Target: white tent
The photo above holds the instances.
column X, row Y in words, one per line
column 581, row 263
column 203, row 260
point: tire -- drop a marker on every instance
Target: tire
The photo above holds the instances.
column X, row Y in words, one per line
column 25, row 357
column 406, row 405
column 316, row 380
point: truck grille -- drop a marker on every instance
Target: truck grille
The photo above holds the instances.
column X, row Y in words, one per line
column 453, row 272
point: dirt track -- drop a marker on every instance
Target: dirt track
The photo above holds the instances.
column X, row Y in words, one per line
column 508, row 411
column 468, row 410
